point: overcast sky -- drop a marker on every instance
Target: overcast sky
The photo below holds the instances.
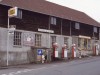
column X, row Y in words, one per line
column 90, row 7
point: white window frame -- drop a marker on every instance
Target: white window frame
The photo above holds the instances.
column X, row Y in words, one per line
column 95, row 29
column 77, row 25
column 38, row 40
column 53, row 21
column 17, row 41
column 19, row 14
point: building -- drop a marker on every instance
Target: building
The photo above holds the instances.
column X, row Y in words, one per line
column 39, row 25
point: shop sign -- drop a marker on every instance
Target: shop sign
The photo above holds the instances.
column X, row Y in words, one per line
column 85, row 37
column 28, row 39
column 45, row 30
column 12, row 12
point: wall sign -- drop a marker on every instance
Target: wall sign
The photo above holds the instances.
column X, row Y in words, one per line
column 45, row 30
column 39, row 51
column 28, row 39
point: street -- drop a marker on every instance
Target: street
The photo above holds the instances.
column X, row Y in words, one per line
column 85, row 66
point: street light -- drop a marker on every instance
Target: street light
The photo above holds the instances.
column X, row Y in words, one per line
column 12, row 12
column 8, row 42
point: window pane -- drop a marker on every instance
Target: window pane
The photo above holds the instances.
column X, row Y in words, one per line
column 54, row 21
column 17, row 38
column 95, row 29
column 84, row 43
column 77, row 26
column 37, row 39
column 51, row 20
column 19, row 14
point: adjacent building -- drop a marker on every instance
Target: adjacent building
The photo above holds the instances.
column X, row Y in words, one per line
column 38, row 25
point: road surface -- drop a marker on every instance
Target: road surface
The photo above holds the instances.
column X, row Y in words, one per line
column 86, row 66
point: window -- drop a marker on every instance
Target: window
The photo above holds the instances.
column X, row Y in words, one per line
column 77, row 26
column 84, row 44
column 53, row 39
column 19, row 14
column 17, row 38
column 66, row 40
column 95, row 29
column 53, row 20
column 37, row 39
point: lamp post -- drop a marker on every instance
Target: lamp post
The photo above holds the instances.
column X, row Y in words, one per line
column 8, row 42
column 12, row 12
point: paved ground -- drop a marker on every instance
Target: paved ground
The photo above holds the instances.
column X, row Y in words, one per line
column 87, row 66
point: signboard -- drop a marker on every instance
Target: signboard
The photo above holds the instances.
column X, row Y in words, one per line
column 39, row 51
column 12, row 12
column 45, row 30
column 28, row 39
column 86, row 37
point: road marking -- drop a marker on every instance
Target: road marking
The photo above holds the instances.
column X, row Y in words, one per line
column 11, row 73
column 54, row 65
column 3, row 74
column 23, row 71
column 27, row 70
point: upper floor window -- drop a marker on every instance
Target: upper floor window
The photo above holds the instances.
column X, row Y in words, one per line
column 95, row 29
column 53, row 20
column 19, row 12
column 77, row 25
column 37, row 39
column 17, row 38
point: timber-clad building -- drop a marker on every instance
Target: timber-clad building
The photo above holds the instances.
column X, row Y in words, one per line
column 40, row 24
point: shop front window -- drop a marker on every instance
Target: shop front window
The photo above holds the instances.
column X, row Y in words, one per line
column 84, row 44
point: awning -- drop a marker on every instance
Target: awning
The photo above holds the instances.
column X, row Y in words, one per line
column 85, row 37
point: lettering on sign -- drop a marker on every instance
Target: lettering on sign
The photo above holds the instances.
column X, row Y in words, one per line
column 45, row 30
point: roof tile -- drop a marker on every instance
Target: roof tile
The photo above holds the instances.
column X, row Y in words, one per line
column 48, row 8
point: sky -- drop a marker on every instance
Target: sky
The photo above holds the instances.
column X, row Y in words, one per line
column 90, row 7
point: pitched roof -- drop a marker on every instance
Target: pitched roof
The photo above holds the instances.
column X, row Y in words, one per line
column 48, row 8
